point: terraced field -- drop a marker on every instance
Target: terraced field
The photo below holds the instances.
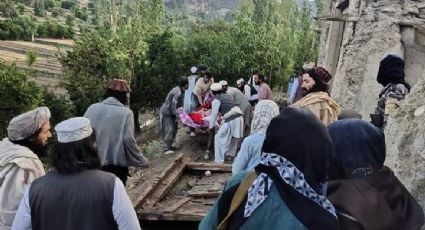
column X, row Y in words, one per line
column 47, row 69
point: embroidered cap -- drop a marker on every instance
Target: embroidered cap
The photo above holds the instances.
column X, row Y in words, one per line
column 73, row 129
column 223, row 82
column 118, row 85
column 193, row 70
column 240, row 81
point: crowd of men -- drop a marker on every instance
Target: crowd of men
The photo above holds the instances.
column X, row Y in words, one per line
column 86, row 187
column 311, row 165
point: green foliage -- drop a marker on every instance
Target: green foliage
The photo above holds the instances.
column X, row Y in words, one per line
column 31, row 58
column 52, row 29
column 69, row 20
column 8, row 9
column 60, row 107
column 56, row 12
column 86, row 68
column 18, row 95
column 133, row 41
column 80, row 13
column 49, row 4
column 67, row 4
column 151, row 149
column 21, row 8
column 275, row 38
column 39, row 8
column 21, row 28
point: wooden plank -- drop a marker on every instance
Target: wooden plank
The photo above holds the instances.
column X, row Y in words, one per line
column 177, row 205
column 138, row 203
column 209, row 166
column 168, row 181
column 169, row 217
column 206, row 194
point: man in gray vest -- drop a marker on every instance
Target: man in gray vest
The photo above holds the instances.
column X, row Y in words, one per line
column 75, row 195
column 240, row 101
column 231, row 128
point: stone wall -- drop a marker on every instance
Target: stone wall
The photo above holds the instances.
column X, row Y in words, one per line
column 405, row 137
column 364, row 33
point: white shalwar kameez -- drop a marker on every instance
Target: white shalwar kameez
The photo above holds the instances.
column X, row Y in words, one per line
column 228, row 135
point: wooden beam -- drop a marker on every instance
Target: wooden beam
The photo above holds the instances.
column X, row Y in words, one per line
column 167, row 182
column 138, row 203
column 340, row 18
column 209, row 166
column 205, row 194
column 415, row 24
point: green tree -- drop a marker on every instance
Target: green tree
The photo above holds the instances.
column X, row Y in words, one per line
column 17, row 94
column 39, row 8
column 8, row 9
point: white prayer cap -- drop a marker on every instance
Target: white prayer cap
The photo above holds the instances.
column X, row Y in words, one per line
column 240, row 81
column 193, row 69
column 308, row 66
column 216, row 87
column 223, row 82
column 26, row 124
column 73, row 129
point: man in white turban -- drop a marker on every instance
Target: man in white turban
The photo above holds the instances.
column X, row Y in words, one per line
column 27, row 134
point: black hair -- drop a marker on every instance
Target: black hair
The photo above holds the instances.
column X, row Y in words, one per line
column 261, row 77
column 255, row 72
column 208, row 75
column 33, row 144
column 121, row 96
column 183, row 82
column 202, row 68
column 217, row 92
column 319, row 86
column 73, row 157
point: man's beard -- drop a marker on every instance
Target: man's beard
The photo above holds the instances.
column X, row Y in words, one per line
column 305, row 92
column 35, row 146
column 40, row 150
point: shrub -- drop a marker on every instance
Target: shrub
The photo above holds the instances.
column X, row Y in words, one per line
column 56, row 12
column 31, row 57
column 21, row 8
column 67, row 4
column 49, row 4
column 69, row 32
column 70, row 20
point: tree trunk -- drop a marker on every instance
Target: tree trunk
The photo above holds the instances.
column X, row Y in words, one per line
column 136, row 110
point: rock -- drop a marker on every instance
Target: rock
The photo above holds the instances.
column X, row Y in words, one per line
column 419, row 111
column 405, row 136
